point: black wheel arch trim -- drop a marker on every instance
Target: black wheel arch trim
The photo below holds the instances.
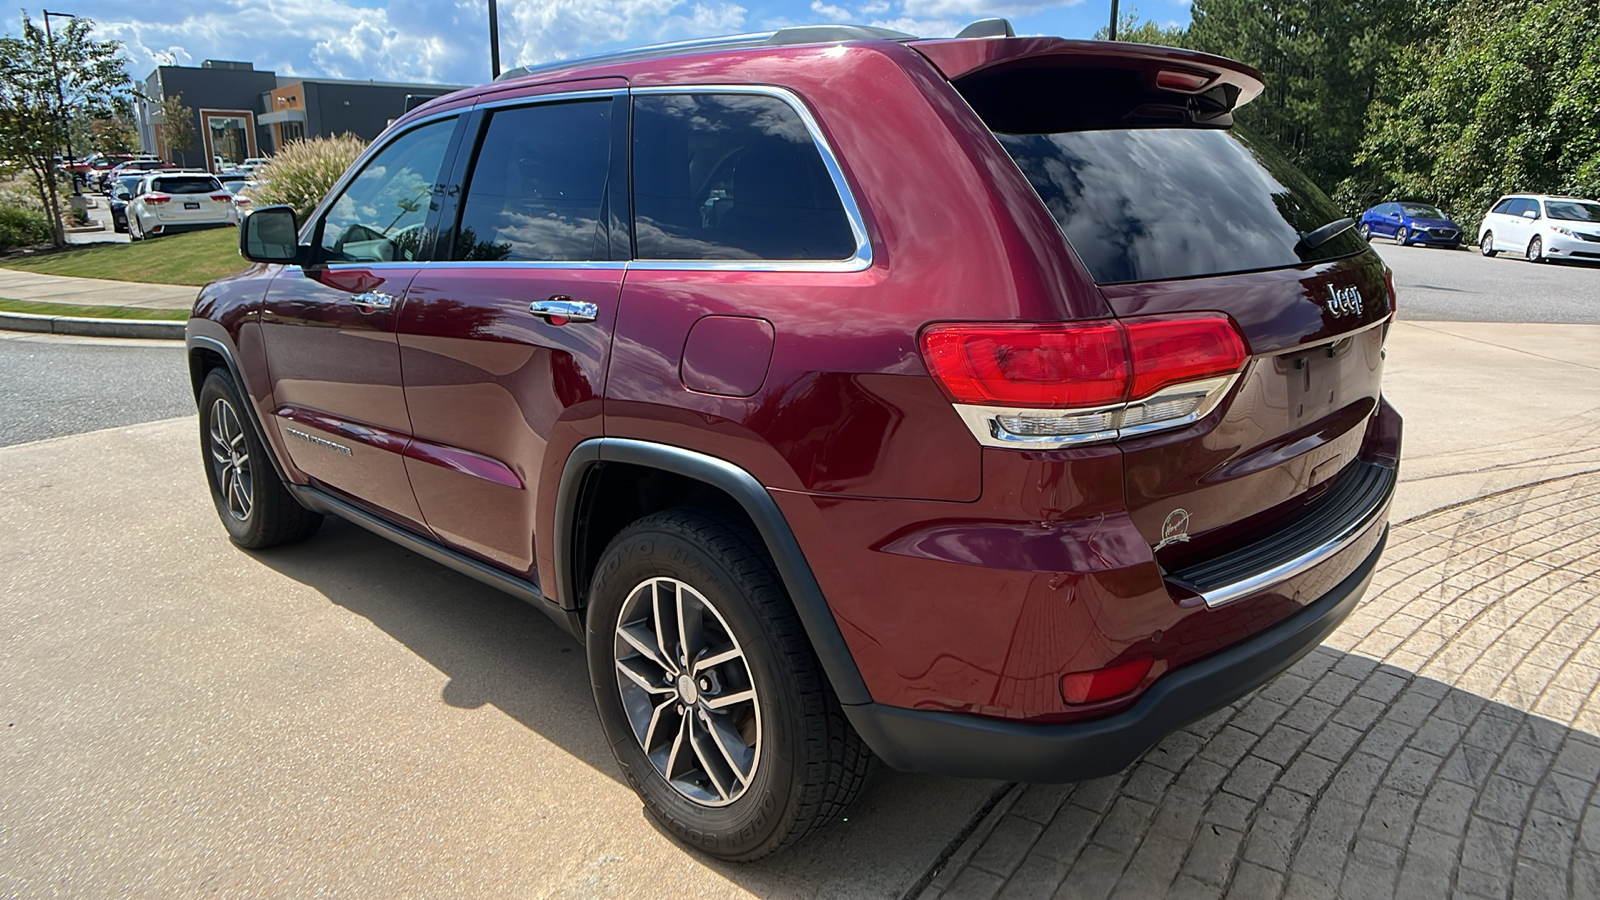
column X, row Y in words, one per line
column 810, row 604
column 979, row 747
column 193, row 342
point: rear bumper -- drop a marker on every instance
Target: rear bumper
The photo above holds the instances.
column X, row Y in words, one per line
column 977, row 747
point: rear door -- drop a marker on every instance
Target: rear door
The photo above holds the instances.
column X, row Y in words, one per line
column 329, row 327
column 504, row 341
column 1173, row 220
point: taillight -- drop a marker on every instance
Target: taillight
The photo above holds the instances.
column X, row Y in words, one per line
column 1180, row 80
column 1051, row 385
column 222, row 195
column 157, row 198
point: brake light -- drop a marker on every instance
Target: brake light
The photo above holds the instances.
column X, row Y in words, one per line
column 1046, row 366
column 222, row 195
column 157, row 198
column 1179, row 80
column 1103, row 684
column 1050, row 385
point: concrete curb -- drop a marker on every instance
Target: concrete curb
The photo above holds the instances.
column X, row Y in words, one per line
column 83, row 327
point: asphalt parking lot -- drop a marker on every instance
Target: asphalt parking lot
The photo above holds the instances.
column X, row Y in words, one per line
column 1464, row 286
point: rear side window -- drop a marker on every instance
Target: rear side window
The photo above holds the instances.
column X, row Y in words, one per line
column 1148, row 204
column 185, row 185
column 538, row 188
column 731, row 176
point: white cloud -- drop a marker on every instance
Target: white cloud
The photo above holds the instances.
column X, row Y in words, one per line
column 830, row 12
column 559, row 29
column 921, row 27
column 971, row 10
column 875, row 8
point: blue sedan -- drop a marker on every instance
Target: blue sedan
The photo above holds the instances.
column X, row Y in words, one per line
column 1410, row 223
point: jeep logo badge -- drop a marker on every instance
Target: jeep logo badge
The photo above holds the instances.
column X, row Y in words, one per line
column 1175, row 529
column 1345, row 301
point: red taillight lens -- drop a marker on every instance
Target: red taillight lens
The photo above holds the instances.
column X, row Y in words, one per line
column 223, row 195
column 1170, row 350
column 1103, row 684
column 1179, row 80
column 1050, row 366
column 157, row 198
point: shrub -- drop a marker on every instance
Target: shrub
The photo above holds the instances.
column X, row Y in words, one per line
column 304, row 171
column 22, row 228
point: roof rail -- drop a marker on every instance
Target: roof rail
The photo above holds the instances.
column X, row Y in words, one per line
column 796, row 34
column 984, row 28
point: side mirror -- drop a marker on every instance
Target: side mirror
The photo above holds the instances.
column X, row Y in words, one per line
column 1530, row 214
column 270, row 235
column 123, row 195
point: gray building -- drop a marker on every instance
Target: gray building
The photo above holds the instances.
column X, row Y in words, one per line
column 239, row 112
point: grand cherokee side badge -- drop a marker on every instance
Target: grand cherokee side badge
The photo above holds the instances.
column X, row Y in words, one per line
column 1175, row 529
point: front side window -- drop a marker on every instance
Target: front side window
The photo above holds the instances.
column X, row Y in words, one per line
column 1148, row 204
column 729, row 177
column 538, row 188
column 381, row 214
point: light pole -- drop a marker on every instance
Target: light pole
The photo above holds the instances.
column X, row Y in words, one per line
column 1113, row 19
column 494, row 40
column 61, row 100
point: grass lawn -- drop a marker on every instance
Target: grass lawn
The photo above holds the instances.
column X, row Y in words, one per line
column 194, row 257
column 41, row 308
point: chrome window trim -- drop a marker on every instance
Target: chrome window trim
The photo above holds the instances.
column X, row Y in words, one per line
column 537, row 99
column 983, row 421
column 860, row 260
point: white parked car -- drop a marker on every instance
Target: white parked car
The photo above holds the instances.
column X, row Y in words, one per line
column 250, row 165
column 240, row 186
column 1542, row 227
column 168, row 202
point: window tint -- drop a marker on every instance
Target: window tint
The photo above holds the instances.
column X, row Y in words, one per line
column 380, row 215
column 1159, row 203
column 192, row 184
column 1504, row 207
column 538, row 188
column 732, row 176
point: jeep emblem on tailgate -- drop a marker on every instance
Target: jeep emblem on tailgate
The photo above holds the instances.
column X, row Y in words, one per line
column 1345, row 301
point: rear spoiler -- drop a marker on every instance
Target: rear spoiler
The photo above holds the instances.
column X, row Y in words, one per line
column 1155, row 83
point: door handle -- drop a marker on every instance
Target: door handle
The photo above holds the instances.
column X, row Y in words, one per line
column 372, row 301
column 561, row 309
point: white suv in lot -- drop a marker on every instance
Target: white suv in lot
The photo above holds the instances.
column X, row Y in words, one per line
column 1542, row 227
column 169, row 202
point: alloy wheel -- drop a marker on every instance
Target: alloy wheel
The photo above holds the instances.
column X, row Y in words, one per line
column 1486, row 246
column 230, row 456
column 687, row 689
column 1536, row 249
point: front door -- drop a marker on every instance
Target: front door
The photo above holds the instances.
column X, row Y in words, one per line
column 329, row 327
column 504, row 341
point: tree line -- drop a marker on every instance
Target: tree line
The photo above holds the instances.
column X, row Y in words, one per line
column 1454, row 102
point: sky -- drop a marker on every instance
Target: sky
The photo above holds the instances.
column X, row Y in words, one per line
column 446, row 41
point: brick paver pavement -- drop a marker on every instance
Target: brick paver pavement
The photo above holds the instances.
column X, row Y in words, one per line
column 1444, row 742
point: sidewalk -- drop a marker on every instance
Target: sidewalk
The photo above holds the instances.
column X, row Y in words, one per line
column 17, row 285
column 1445, row 741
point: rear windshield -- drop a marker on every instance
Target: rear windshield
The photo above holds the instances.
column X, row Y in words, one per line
column 191, row 185
column 1573, row 211
column 1149, row 204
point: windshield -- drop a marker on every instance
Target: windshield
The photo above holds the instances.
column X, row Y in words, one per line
column 1573, row 210
column 1422, row 211
column 1159, row 203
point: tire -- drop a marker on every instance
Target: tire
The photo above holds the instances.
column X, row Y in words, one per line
column 255, row 507
column 1365, row 231
column 1400, row 235
column 786, row 761
column 1486, row 244
column 135, row 230
column 1536, row 249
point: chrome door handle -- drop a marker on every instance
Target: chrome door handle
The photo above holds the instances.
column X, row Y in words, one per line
column 372, row 301
column 565, row 309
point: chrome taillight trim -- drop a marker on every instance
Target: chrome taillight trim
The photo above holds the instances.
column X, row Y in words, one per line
column 984, row 421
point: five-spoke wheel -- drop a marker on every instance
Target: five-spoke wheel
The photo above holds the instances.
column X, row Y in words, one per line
column 230, row 457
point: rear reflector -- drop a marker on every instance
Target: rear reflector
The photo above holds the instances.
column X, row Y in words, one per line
column 1103, row 684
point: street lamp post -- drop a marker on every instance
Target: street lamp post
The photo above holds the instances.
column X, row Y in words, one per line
column 61, row 100
column 1113, row 19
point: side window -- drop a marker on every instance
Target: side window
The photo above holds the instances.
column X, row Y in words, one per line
column 380, row 215
column 1520, row 206
column 731, row 176
column 1504, row 207
column 1538, row 212
column 538, row 187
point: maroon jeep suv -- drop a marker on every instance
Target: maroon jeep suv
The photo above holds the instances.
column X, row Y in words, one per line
column 987, row 406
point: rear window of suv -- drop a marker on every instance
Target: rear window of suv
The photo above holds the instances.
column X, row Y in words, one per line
column 1149, row 204
column 181, row 185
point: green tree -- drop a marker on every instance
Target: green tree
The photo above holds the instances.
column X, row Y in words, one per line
column 1323, row 65
column 177, row 128
column 1130, row 29
column 1508, row 100
column 33, row 116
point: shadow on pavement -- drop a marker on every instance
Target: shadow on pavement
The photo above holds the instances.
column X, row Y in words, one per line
column 500, row 651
